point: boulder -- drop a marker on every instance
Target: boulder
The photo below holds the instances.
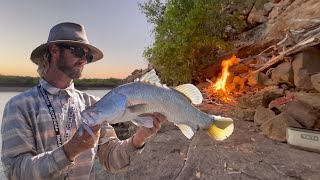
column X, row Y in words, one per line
column 138, row 73
column 236, row 85
column 263, row 97
column 266, row 81
column 302, row 79
column 304, row 65
column 268, row 6
column 312, row 99
column 262, row 115
column 283, row 73
column 301, row 112
column 315, row 81
column 245, row 113
column 281, row 101
column 257, row 16
column 317, row 125
column 260, row 79
column 253, row 80
column 240, row 69
column 270, row 93
column 250, row 101
column 134, row 75
column 276, row 127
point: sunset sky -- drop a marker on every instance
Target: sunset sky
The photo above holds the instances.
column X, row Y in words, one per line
column 117, row 27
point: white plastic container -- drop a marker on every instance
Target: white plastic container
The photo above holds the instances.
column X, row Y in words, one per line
column 304, row 138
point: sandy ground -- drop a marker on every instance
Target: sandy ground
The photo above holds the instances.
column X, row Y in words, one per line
column 247, row 154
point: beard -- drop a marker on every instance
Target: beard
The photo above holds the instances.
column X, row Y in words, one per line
column 73, row 71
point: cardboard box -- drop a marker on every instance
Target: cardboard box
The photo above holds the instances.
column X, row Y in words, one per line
column 304, row 139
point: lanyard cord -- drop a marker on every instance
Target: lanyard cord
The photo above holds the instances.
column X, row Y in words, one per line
column 54, row 118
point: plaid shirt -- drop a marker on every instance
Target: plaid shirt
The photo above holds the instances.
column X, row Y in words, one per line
column 29, row 144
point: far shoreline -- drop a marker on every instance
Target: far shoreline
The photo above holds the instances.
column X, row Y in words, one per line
column 21, row 89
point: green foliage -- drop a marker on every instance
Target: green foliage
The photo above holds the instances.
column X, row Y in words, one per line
column 154, row 10
column 21, row 81
column 111, row 82
column 188, row 36
column 18, row 81
column 259, row 3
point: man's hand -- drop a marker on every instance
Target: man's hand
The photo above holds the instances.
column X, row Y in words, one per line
column 144, row 133
column 81, row 141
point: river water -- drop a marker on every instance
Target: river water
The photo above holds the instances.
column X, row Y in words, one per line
column 6, row 96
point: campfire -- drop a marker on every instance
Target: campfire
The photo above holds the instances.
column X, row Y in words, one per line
column 278, row 89
column 219, row 91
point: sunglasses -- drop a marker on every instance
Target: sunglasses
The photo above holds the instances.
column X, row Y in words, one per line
column 78, row 51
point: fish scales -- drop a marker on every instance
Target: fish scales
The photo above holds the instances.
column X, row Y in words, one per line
column 169, row 102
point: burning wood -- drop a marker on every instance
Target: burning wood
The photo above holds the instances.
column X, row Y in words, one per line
column 219, row 92
column 305, row 37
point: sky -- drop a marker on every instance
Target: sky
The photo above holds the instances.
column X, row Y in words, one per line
column 117, row 27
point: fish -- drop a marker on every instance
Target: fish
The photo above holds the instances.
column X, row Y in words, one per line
column 130, row 101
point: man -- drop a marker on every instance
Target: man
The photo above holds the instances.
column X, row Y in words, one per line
column 41, row 129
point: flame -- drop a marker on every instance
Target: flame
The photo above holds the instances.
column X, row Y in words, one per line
column 219, row 88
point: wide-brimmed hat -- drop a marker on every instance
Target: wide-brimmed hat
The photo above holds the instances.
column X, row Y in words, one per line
column 70, row 33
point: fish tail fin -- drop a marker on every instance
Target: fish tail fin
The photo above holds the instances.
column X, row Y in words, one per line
column 221, row 128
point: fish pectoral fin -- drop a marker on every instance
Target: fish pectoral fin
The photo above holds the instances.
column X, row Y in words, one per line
column 191, row 91
column 137, row 108
column 186, row 130
column 83, row 127
column 145, row 121
column 221, row 128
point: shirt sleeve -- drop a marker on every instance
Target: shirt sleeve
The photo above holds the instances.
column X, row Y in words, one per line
column 19, row 153
column 115, row 155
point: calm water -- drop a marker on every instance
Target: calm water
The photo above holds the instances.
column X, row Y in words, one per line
column 6, row 96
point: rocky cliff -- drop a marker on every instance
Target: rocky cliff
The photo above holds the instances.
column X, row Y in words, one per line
column 276, row 85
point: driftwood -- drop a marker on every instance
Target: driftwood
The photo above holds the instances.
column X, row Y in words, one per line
column 307, row 37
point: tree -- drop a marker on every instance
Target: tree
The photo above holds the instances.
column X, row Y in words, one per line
column 188, row 36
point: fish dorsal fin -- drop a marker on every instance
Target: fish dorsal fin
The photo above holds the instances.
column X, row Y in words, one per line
column 186, row 130
column 150, row 77
column 191, row 91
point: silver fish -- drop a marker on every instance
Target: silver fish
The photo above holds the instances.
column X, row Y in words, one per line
column 129, row 101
